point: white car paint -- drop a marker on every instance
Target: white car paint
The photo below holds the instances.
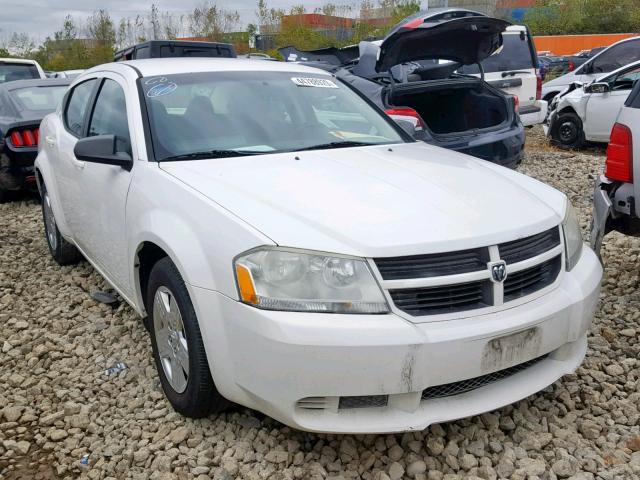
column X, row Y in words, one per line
column 598, row 111
column 624, row 52
column 531, row 110
column 375, row 201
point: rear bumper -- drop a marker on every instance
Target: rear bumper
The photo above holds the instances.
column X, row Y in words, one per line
column 504, row 147
column 295, row 367
column 533, row 114
column 614, row 208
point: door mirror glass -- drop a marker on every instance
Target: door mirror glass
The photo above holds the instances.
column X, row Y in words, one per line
column 598, row 87
column 102, row 149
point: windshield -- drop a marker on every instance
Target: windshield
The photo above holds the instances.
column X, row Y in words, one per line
column 39, row 99
column 241, row 113
column 17, row 71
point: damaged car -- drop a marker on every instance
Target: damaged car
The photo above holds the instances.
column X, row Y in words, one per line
column 23, row 104
column 413, row 74
column 296, row 252
column 617, row 191
column 588, row 112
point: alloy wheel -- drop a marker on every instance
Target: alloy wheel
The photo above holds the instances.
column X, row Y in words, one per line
column 49, row 222
column 171, row 339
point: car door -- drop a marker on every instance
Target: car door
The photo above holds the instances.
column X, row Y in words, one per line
column 603, row 108
column 66, row 168
column 104, row 188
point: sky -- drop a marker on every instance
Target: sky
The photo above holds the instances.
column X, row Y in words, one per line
column 40, row 18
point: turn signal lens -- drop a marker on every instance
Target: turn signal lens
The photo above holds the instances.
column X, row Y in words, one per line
column 245, row 285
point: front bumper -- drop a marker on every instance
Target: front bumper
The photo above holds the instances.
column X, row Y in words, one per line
column 269, row 361
column 533, row 114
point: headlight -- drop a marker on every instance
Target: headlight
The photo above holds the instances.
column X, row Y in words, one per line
column 301, row 281
column 572, row 237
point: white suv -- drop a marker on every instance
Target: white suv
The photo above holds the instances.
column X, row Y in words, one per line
column 297, row 253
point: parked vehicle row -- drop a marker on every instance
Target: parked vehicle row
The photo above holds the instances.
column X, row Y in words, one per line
column 297, row 252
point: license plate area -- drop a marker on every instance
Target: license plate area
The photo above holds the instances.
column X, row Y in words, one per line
column 504, row 352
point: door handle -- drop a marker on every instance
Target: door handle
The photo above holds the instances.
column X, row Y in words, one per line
column 50, row 141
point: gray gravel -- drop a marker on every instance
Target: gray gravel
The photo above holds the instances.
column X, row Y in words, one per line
column 62, row 417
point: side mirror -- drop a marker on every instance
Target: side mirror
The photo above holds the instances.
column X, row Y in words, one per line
column 406, row 125
column 597, row 87
column 102, row 149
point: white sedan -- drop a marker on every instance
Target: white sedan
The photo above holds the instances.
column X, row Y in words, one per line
column 588, row 113
column 296, row 252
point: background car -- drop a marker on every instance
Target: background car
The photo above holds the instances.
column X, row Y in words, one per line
column 23, row 104
column 175, row 48
column 587, row 113
column 411, row 74
column 584, row 55
column 616, row 56
column 617, row 191
column 513, row 68
column 12, row 69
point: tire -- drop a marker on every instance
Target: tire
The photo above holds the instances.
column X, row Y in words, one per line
column 178, row 350
column 5, row 195
column 63, row 252
column 567, row 131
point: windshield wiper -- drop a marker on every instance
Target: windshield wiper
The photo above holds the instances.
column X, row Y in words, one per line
column 211, row 154
column 341, row 144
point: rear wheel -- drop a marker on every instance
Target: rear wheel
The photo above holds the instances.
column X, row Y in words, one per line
column 63, row 252
column 567, row 131
column 177, row 345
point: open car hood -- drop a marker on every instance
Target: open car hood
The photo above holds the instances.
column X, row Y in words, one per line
column 458, row 35
column 330, row 55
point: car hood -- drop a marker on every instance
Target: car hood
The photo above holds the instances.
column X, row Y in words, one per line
column 376, row 201
column 466, row 40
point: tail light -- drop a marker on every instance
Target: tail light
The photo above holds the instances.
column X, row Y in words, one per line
column 516, row 103
column 572, row 66
column 25, row 138
column 619, row 164
column 406, row 112
column 538, row 85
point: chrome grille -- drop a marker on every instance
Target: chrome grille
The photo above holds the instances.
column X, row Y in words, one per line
column 433, row 265
column 450, row 282
column 445, row 299
column 524, row 248
column 525, row 282
column 456, row 388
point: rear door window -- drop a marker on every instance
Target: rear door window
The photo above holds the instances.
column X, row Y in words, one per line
column 514, row 54
column 17, row 71
column 76, row 107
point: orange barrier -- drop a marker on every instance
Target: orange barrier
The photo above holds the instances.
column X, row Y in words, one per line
column 570, row 44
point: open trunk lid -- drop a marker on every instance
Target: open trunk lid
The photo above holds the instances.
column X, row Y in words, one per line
column 457, row 35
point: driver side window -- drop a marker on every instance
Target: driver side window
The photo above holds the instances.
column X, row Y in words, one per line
column 626, row 80
column 109, row 115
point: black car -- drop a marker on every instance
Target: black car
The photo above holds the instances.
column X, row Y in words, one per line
column 175, row 48
column 23, row 105
column 413, row 74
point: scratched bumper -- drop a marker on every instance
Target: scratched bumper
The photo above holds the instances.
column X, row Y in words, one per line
column 275, row 359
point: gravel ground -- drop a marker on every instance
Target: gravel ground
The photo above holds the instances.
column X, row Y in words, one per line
column 62, row 417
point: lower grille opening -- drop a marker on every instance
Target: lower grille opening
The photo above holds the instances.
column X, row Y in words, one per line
column 365, row 401
column 456, row 388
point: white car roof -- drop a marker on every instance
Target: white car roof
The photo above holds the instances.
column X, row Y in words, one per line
column 169, row 66
column 515, row 29
column 18, row 60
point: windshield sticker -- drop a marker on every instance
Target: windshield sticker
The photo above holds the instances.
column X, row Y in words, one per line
column 154, row 80
column 161, row 89
column 313, row 82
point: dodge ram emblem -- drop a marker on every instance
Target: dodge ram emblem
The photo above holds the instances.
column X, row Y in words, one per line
column 499, row 272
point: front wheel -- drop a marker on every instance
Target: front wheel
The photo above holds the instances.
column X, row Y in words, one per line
column 63, row 252
column 567, row 131
column 178, row 350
